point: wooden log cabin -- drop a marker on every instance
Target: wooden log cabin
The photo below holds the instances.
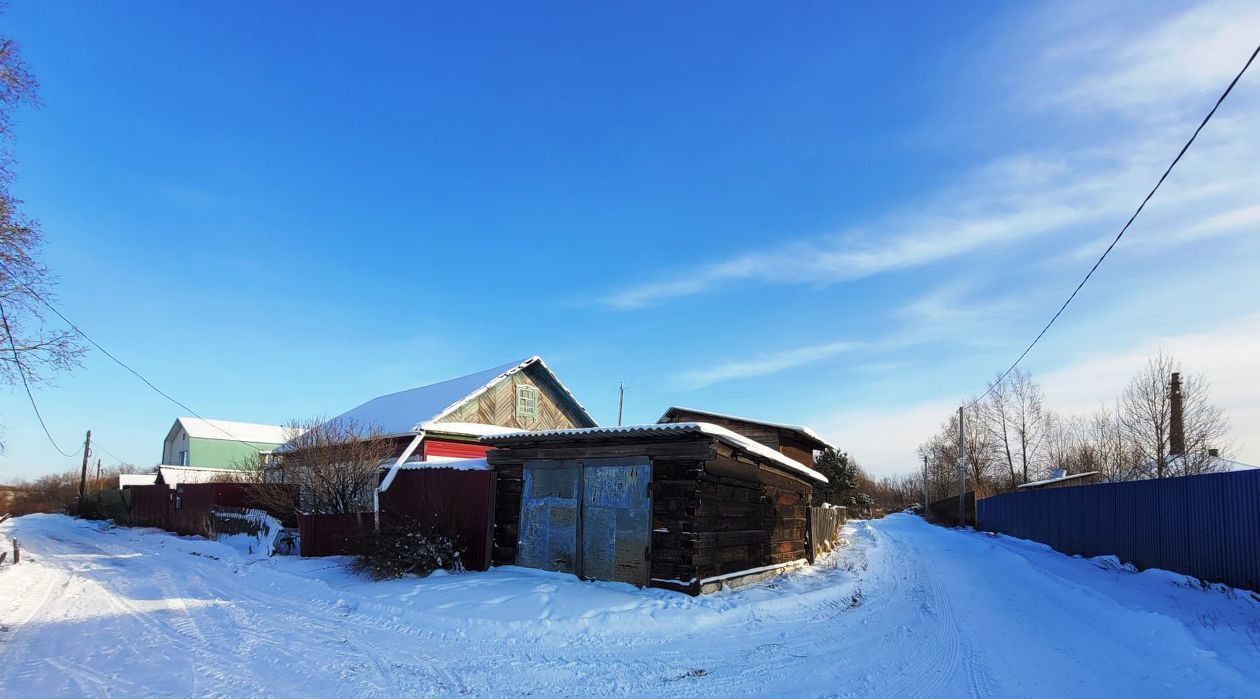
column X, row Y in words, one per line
column 683, row 505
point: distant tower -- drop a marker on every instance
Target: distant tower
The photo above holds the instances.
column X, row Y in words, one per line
column 1176, row 421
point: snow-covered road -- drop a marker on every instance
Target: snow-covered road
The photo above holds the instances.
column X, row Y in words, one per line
column 907, row 609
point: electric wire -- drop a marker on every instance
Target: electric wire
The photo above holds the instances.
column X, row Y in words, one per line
column 117, row 361
column 17, row 360
column 1120, row 235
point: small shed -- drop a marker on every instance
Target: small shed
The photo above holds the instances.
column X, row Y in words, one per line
column 795, row 441
column 689, row 506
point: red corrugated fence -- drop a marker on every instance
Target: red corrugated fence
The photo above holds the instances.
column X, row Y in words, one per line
column 449, row 502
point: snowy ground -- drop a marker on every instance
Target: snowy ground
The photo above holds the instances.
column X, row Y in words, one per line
column 906, row 609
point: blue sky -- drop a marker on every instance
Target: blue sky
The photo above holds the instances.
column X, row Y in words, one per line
column 843, row 216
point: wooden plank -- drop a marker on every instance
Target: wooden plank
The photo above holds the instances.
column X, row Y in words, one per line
column 695, row 449
column 672, row 571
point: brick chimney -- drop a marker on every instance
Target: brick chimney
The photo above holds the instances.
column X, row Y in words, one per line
column 1176, row 426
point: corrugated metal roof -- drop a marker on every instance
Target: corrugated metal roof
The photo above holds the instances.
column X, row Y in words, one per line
column 657, row 429
column 802, row 429
column 202, row 428
column 410, row 411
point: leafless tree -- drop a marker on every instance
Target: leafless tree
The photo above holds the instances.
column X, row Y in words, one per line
column 1029, row 421
column 998, row 421
column 29, row 349
column 1145, row 416
column 980, row 449
column 327, row 466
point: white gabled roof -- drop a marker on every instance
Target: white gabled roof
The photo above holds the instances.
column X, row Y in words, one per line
column 777, row 425
column 416, row 409
column 721, row 433
column 202, row 428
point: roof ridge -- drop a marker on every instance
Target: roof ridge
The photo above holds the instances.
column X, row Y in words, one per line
column 503, row 367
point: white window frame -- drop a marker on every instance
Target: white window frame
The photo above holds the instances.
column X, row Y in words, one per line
column 526, row 401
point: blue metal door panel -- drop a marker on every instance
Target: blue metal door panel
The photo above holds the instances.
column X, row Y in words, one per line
column 549, row 516
column 616, row 520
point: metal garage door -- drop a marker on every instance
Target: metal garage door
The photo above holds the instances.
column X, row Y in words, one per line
column 616, row 520
column 549, row 516
column 591, row 517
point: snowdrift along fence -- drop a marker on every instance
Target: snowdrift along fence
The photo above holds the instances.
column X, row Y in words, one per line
column 184, row 509
column 447, row 502
column 1207, row 526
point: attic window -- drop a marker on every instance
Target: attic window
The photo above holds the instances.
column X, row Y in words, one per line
column 526, row 401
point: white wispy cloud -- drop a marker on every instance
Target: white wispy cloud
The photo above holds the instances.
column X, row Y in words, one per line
column 1104, row 58
column 1143, row 86
column 884, row 439
column 954, row 311
column 1122, row 99
column 762, row 364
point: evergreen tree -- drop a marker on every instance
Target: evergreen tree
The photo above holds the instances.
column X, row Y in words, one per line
column 843, row 485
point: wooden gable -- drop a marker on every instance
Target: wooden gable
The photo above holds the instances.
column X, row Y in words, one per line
column 554, row 408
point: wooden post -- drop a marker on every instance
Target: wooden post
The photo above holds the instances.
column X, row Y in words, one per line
column 17, row 552
column 925, row 488
column 962, row 474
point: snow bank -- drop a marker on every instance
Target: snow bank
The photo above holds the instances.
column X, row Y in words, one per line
column 902, row 609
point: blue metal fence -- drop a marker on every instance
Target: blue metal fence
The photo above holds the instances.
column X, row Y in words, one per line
column 1207, row 526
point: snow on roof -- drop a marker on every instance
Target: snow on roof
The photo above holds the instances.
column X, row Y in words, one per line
column 410, row 411
column 438, row 462
column 1060, row 479
column 470, row 429
column 126, row 479
column 202, row 428
column 432, row 462
column 174, row 475
column 1209, row 463
column 721, row 433
column 778, row 425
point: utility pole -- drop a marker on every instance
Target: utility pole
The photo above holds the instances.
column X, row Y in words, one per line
column 621, row 400
column 98, row 473
column 962, row 473
column 925, row 488
column 87, row 453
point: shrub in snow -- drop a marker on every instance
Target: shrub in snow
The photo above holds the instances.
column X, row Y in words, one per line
column 403, row 547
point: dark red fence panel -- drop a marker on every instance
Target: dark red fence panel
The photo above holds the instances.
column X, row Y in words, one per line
column 1206, row 526
column 333, row 534
column 450, row 502
column 186, row 508
column 150, row 506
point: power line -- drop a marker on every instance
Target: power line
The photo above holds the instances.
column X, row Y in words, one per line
column 1119, row 235
column 97, row 445
column 117, row 361
column 22, row 373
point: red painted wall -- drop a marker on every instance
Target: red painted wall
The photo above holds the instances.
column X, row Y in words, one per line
column 457, row 450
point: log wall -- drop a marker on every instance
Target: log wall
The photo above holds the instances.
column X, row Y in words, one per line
column 713, row 512
column 707, row 522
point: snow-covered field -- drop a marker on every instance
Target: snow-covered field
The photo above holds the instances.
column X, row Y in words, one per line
column 907, row 609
